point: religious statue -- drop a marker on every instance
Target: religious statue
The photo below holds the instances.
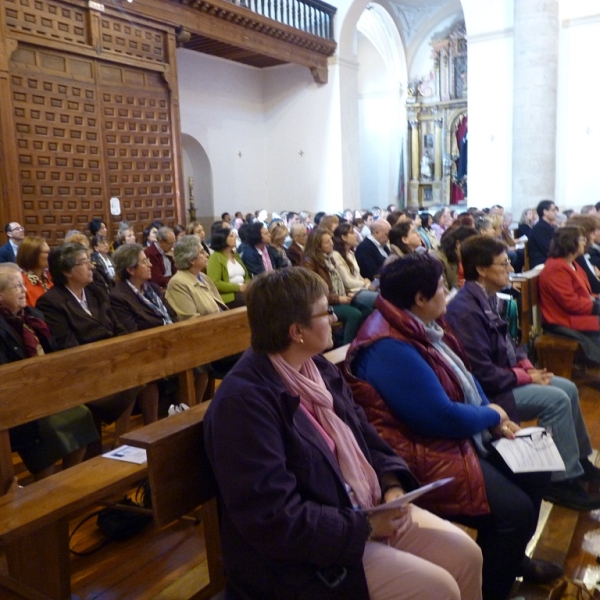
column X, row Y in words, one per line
column 426, row 163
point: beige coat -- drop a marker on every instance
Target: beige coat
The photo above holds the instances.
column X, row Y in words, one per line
column 189, row 297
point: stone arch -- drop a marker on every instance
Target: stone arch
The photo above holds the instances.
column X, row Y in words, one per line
column 196, row 164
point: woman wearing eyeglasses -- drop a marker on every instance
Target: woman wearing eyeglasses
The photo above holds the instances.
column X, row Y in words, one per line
column 413, row 380
column 569, row 307
column 296, row 464
column 79, row 313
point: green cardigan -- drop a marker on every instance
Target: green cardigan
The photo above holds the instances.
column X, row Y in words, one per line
column 217, row 271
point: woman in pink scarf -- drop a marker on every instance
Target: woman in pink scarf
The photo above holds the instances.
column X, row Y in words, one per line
column 296, row 464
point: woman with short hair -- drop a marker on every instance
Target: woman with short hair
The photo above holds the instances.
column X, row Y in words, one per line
column 298, row 469
column 413, row 380
column 32, row 258
column 79, row 313
column 24, row 334
column 226, row 269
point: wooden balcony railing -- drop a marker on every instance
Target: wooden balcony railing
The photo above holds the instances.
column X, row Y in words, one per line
column 311, row 16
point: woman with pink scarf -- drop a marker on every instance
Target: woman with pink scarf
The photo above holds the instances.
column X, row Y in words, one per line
column 298, row 469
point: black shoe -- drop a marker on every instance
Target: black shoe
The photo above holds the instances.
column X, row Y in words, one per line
column 590, row 471
column 540, row 571
column 571, row 495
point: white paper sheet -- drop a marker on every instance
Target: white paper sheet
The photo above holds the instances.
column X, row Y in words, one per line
column 128, row 454
column 410, row 496
column 531, row 450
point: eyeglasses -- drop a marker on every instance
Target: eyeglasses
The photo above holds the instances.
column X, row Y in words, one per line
column 328, row 313
column 83, row 261
column 17, row 229
column 17, row 286
column 506, row 264
column 144, row 262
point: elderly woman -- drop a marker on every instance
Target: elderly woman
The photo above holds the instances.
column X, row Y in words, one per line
column 226, row 269
column 189, row 292
column 79, row 313
column 24, row 334
column 125, row 234
column 298, row 469
column 569, row 308
column 259, row 255
column 412, row 378
column 318, row 258
column 139, row 305
column 32, row 257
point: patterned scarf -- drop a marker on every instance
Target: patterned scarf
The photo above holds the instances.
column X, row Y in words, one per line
column 28, row 328
column 152, row 300
column 318, row 401
column 337, row 283
column 44, row 280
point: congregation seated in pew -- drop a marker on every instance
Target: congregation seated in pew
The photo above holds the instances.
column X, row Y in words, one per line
column 411, row 378
column 294, row 458
column 79, row 313
column 24, row 334
column 509, row 379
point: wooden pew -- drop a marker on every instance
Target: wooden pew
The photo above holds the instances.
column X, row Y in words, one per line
column 554, row 353
column 34, row 520
column 181, row 478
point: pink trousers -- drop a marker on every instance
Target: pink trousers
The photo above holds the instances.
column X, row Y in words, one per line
column 432, row 560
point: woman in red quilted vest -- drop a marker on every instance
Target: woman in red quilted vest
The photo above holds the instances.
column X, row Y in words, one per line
column 412, row 378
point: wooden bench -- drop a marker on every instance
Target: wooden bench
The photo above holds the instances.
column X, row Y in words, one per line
column 556, row 354
column 34, row 520
column 181, row 478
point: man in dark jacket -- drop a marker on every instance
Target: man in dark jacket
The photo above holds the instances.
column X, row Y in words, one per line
column 542, row 232
column 373, row 250
column 510, row 380
column 15, row 234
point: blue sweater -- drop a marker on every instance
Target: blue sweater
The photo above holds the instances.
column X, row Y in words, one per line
column 410, row 388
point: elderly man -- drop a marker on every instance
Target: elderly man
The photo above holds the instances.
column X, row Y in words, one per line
column 373, row 250
column 510, row 380
column 15, row 234
column 298, row 234
column 160, row 255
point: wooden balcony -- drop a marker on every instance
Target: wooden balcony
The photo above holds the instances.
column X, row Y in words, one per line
column 260, row 33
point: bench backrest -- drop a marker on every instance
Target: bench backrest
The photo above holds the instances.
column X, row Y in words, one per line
column 40, row 386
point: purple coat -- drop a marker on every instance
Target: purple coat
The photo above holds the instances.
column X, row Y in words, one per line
column 286, row 520
column 483, row 336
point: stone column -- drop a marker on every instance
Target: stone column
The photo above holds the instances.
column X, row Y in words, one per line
column 415, row 167
column 536, row 31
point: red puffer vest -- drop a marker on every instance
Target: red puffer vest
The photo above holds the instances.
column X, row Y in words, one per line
column 429, row 459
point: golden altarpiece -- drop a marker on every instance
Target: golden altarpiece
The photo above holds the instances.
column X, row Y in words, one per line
column 437, row 120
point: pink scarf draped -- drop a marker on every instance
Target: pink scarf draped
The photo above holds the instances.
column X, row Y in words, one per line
column 318, row 401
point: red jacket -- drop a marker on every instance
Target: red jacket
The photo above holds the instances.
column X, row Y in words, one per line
column 428, row 458
column 566, row 297
column 157, row 266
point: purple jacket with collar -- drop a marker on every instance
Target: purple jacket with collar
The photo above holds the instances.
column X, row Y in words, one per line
column 286, row 519
column 482, row 334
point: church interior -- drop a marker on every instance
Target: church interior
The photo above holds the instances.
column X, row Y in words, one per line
column 181, row 110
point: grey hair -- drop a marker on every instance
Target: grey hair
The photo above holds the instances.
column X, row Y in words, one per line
column 62, row 259
column 185, row 251
column 126, row 257
column 162, row 233
column 7, row 269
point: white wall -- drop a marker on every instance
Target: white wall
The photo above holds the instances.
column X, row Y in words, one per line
column 578, row 135
column 222, row 108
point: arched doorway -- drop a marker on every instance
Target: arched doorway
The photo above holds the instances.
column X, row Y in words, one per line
column 196, row 165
